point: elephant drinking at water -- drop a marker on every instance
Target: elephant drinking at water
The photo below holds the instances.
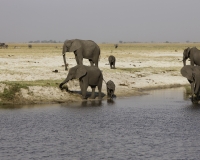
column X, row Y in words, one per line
column 88, row 76
column 82, row 49
column 192, row 73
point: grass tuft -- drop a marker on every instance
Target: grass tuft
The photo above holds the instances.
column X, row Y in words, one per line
column 9, row 93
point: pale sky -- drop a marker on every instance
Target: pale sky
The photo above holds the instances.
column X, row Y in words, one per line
column 100, row 20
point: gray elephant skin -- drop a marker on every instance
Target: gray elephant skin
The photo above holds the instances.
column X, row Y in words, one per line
column 82, row 49
column 112, row 60
column 88, row 76
column 192, row 73
column 193, row 54
column 110, row 89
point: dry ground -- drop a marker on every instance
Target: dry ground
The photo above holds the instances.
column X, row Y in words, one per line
column 138, row 67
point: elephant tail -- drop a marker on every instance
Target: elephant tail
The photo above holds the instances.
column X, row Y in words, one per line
column 105, row 81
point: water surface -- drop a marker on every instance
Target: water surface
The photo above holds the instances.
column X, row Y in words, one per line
column 161, row 125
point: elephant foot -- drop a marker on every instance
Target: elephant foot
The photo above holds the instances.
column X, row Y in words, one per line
column 84, row 98
column 99, row 98
column 92, row 97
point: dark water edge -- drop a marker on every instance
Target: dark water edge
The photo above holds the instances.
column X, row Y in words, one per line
column 161, row 125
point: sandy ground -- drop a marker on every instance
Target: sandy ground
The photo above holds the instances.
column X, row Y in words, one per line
column 135, row 72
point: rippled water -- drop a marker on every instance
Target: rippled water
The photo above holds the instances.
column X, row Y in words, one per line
column 162, row 125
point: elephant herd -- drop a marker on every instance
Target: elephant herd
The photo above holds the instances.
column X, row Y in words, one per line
column 87, row 75
column 92, row 75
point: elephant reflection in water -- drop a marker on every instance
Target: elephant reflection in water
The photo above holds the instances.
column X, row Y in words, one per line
column 192, row 73
column 92, row 103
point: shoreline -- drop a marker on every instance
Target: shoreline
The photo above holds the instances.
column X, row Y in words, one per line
column 22, row 97
column 27, row 75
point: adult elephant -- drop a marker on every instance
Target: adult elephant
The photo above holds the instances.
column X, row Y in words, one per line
column 82, row 49
column 193, row 54
column 88, row 76
column 192, row 73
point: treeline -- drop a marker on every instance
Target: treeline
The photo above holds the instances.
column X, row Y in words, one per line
column 45, row 41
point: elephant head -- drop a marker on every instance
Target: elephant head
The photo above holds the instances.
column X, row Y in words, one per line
column 110, row 88
column 74, row 73
column 188, row 72
column 70, row 46
column 186, row 55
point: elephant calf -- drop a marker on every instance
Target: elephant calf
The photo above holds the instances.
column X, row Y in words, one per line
column 88, row 76
column 192, row 73
column 110, row 89
column 112, row 60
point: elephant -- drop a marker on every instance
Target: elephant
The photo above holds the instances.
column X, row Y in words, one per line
column 192, row 73
column 110, row 89
column 112, row 60
column 88, row 76
column 2, row 45
column 82, row 49
column 193, row 54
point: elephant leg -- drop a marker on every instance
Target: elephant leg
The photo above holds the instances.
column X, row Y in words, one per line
column 79, row 57
column 192, row 90
column 93, row 93
column 108, row 93
column 66, row 64
column 84, row 90
column 114, row 65
column 110, row 65
column 99, row 88
column 77, row 61
column 81, row 86
column 191, row 62
column 96, row 63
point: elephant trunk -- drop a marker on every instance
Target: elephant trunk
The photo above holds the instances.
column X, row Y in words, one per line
column 63, row 53
column 184, row 61
column 65, row 81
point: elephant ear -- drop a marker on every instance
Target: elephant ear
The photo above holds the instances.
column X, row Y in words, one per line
column 110, row 85
column 188, row 52
column 80, row 72
column 187, row 72
column 74, row 46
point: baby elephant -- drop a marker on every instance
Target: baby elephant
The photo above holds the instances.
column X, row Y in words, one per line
column 110, row 89
column 88, row 76
column 192, row 73
column 112, row 60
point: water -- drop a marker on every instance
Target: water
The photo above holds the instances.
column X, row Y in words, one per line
column 162, row 125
